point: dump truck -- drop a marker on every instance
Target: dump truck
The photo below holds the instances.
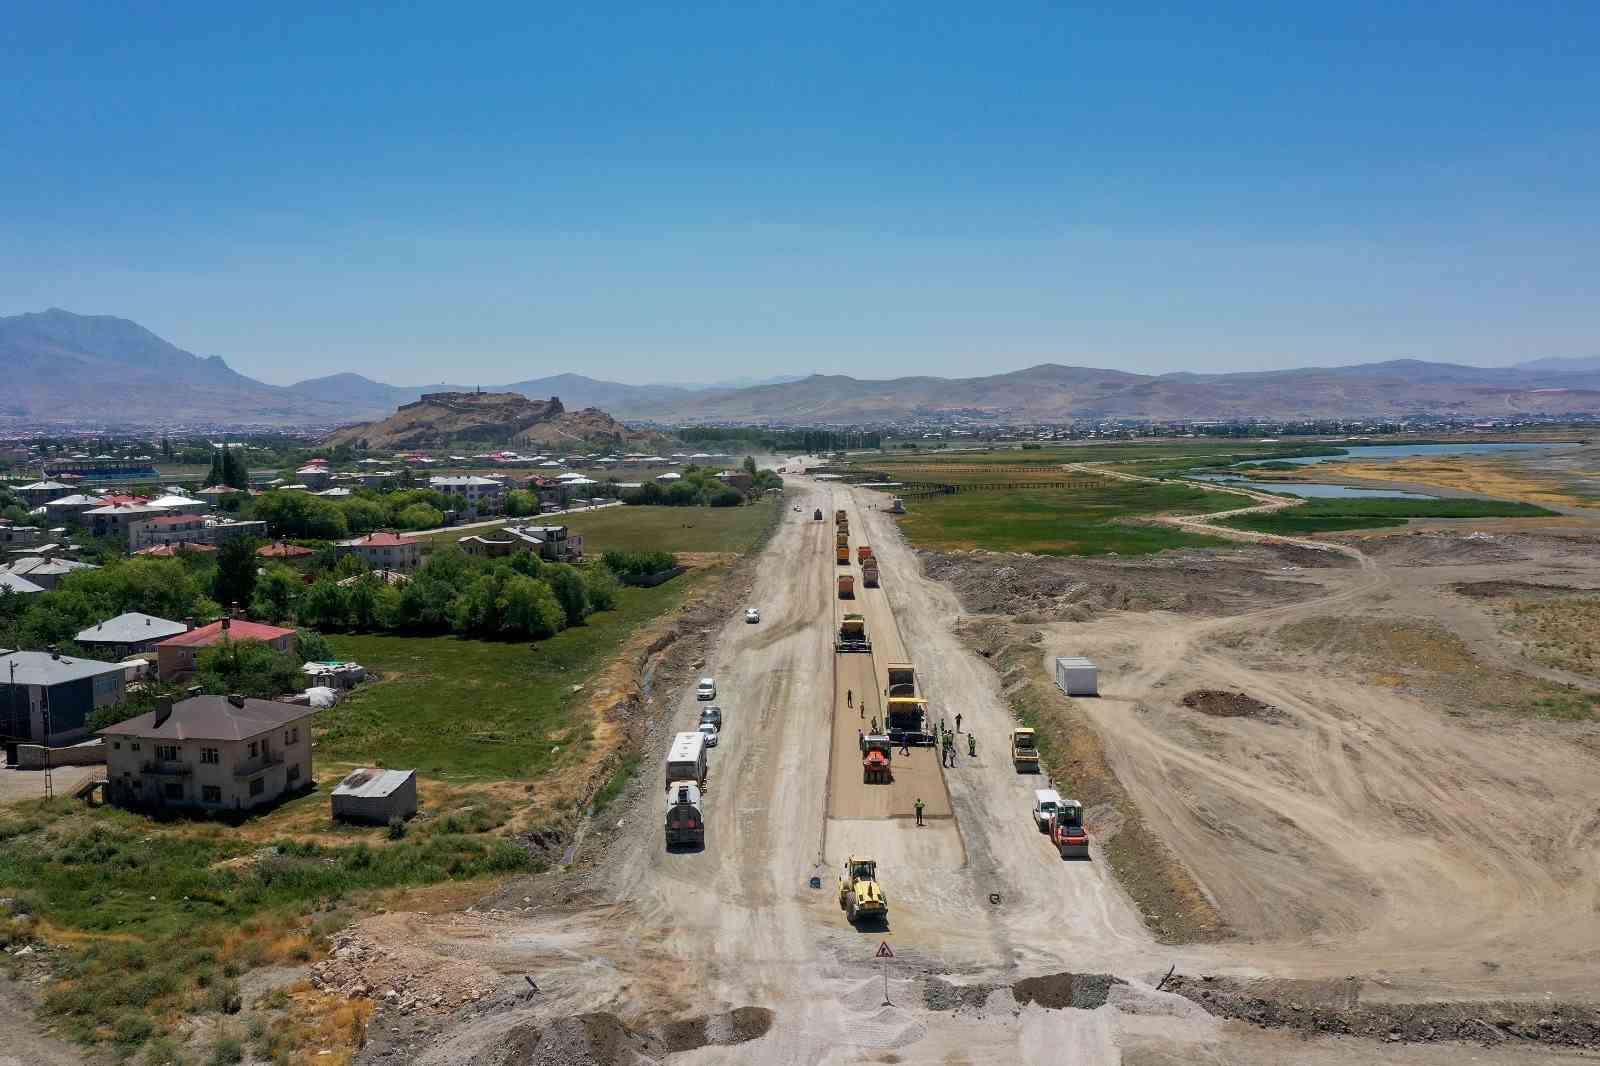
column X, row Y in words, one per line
column 847, row 587
column 841, row 539
column 905, row 713
column 816, row 516
column 840, row 518
column 1025, row 750
column 877, row 751
column 853, row 635
column 686, row 824
column 1067, row 833
column 863, row 553
column 860, row 895
column 842, row 555
column 869, row 573
column 897, row 506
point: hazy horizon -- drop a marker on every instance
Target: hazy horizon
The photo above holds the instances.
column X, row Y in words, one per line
column 498, row 193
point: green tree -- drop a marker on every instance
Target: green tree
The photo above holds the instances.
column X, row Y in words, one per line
column 750, row 465
column 277, row 592
column 312, row 647
column 528, row 607
column 362, row 604
column 570, row 590
column 235, row 579
column 425, row 603
column 215, row 476
column 249, row 668
column 476, row 608
column 521, row 502
column 419, row 516
column 325, row 605
column 362, row 515
column 602, row 586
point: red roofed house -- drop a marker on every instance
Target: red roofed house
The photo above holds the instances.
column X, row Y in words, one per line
column 175, row 656
column 386, row 551
column 165, row 529
column 175, row 549
column 284, row 552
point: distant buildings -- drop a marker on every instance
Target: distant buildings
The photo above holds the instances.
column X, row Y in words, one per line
column 474, row 496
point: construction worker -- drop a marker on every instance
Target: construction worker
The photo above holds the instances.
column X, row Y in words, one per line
column 972, row 746
column 850, row 700
column 919, row 810
column 905, row 746
column 949, row 750
column 874, row 724
column 958, row 721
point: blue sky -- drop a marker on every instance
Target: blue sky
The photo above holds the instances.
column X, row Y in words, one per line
column 653, row 192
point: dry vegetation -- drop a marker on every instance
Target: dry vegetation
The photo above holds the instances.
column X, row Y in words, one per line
column 1564, row 633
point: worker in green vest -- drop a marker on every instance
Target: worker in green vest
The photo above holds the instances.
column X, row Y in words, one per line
column 919, row 810
column 972, row 746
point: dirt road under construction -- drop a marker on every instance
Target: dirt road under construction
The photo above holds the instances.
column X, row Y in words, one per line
column 978, row 900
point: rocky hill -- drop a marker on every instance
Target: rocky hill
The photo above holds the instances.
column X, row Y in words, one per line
column 441, row 418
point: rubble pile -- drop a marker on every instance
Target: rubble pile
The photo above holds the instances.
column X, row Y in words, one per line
column 400, row 977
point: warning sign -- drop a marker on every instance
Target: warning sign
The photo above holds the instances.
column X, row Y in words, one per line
column 884, row 950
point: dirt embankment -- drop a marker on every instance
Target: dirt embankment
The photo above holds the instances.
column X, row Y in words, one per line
column 1047, row 588
column 1173, row 906
column 1335, row 1008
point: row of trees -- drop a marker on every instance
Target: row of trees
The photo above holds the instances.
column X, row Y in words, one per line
column 301, row 514
column 521, row 597
column 227, row 466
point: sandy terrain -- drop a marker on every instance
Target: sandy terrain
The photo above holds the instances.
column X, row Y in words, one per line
column 1356, row 830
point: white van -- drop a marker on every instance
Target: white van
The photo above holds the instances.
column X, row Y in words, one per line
column 686, row 759
column 706, row 689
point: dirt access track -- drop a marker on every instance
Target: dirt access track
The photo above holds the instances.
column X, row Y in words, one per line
column 1410, row 898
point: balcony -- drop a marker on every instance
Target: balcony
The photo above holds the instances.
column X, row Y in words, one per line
column 255, row 766
column 157, row 768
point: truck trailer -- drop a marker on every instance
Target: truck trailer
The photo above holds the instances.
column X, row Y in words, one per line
column 685, row 816
column 869, row 574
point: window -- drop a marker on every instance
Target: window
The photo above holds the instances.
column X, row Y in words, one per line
column 172, row 790
column 117, row 745
column 294, row 772
column 166, row 753
column 210, row 755
column 134, row 745
column 255, row 749
column 210, row 794
column 258, row 786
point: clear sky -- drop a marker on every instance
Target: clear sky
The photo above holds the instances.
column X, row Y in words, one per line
column 698, row 191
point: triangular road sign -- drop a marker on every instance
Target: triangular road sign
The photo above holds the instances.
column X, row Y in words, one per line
column 884, row 950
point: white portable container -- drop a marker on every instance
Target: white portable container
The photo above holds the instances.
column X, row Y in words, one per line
column 1077, row 676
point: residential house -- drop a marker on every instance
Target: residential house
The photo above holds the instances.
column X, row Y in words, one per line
column 175, row 549
column 386, row 551
column 165, row 529
column 313, row 477
column 41, row 492
column 180, row 504
column 474, row 496
column 219, row 753
column 19, row 586
column 43, row 571
column 175, row 656
column 284, row 552
column 128, row 634
column 551, row 543
column 20, row 536
column 71, row 508
column 111, row 520
column 66, row 690
column 221, row 530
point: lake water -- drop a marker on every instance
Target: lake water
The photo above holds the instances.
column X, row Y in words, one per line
column 1312, row 490
column 1405, row 451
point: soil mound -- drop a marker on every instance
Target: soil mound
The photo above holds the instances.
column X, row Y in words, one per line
column 1220, row 704
column 1058, row 991
column 939, row 994
column 1313, row 1007
column 1440, row 549
column 1522, row 590
column 603, row 1039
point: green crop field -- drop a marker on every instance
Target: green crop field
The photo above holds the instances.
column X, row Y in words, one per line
column 1335, row 515
column 673, row 529
column 1062, row 521
column 475, row 709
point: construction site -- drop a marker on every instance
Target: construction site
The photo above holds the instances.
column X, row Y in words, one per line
column 1320, row 811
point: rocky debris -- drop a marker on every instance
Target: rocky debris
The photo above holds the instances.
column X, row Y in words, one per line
column 1439, row 549
column 1220, row 704
column 603, row 1039
column 1048, row 588
column 1522, row 590
column 939, row 994
column 1059, row 991
column 399, row 975
column 1313, row 1007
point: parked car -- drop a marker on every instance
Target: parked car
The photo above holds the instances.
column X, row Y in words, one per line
column 711, row 733
column 751, row 614
column 712, row 715
column 707, row 689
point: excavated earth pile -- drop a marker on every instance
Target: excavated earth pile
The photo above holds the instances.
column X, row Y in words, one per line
column 1220, row 704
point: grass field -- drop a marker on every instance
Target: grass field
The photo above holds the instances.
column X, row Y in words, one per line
column 674, row 529
column 1062, row 522
column 482, row 710
column 1335, row 515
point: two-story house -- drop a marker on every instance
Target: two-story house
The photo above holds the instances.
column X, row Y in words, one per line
column 223, row 753
column 48, row 698
column 474, row 496
column 175, row 656
column 386, row 551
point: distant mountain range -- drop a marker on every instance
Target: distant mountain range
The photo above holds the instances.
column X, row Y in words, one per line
column 56, row 366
